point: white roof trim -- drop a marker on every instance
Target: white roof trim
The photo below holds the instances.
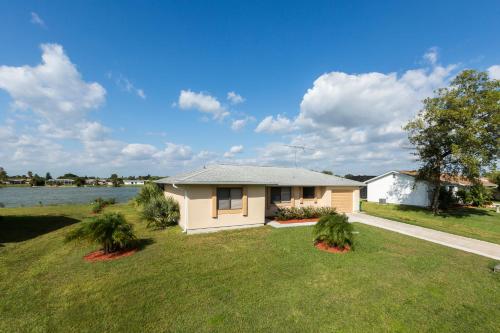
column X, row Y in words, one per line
column 382, row 176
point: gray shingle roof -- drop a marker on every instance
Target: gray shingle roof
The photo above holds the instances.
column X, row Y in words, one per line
column 258, row 175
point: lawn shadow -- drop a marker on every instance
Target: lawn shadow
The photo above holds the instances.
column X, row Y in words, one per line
column 15, row 229
column 457, row 212
column 142, row 243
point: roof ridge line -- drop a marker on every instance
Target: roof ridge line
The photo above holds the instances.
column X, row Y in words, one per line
column 194, row 174
column 258, row 166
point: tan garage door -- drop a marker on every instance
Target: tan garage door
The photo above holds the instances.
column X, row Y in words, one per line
column 342, row 200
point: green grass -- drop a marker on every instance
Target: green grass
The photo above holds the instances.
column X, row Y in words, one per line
column 249, row 280
column 479, row 223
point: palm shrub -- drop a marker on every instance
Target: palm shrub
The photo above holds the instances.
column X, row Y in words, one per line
column 161, row 212
column 334, row 230
column 109, row 230
column 147, row 193
column 99, row 203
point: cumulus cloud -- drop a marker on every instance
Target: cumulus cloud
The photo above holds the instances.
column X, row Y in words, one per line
column 270, row 124
column 494, row 72
column 139, row 151
column 189, row 100
column 354, row 121
column 234, row 150
column 234, row 98
column 53, row 89
column 54, row 102
column 353, row 100
column 37, row 20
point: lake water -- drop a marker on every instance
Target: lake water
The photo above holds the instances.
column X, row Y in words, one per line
column 32, row 196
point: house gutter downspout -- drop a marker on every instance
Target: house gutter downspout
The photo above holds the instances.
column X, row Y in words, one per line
column 186, row 210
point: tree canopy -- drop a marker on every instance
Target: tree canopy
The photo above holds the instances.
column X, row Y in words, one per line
column 457, row 131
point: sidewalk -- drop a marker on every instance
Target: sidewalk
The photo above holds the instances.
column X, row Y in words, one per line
column 471, row 245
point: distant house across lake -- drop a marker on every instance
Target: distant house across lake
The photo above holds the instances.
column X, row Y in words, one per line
column 133, row 182
column 60, row 181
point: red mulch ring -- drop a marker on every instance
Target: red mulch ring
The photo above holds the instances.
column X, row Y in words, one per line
column 298, row 221
column 324, row 247
column 101, row 256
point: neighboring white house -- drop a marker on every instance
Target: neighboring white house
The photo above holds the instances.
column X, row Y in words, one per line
column 133, row 182
column 398, row 187
column 401, row 187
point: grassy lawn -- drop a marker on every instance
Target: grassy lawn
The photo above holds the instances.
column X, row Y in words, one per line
column 250, row 280
column 476, row 223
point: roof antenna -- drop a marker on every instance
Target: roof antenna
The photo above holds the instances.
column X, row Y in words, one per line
column 296, row 148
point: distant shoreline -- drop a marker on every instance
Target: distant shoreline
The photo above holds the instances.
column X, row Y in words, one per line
column 58, row 186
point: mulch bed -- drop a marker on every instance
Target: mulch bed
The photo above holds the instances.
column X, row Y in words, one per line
column 101, row 256
column 298, row 221
column 324, row 247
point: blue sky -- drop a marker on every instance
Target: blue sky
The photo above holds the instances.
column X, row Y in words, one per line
column 142, row 87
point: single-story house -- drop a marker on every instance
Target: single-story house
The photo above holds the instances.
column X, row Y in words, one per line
column 16, row 181
column 234, row 196
column 401, row 187
column 133, row 182
column 60, row 181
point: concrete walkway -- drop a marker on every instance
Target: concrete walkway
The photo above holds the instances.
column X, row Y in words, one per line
column 482, row 248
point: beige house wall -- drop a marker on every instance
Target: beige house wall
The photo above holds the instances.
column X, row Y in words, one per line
column 355, row 196
column 197, row 208
column 323, row 199
column 177, row 194
column 200, row 209
column 355, row 200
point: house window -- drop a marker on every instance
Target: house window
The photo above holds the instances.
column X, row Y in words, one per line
column 281, row 194
column 308, row 192
column 229, row 198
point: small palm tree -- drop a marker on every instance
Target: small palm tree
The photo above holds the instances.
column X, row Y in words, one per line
column 335, row 231
column 110, row 230
column 148, row 192
column 161, row 212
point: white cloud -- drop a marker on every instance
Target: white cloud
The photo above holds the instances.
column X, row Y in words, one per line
column 234, row 150
column 139, row 151
column 53, row 89
column 280, row 124
column 92, row 131
column 126, row 85
column 36, row 19
column 494, row 72
column 432, row 55
column 354, row 121
column 234, row 98
column 141, row 93
column 189, row 100
column 59, row 100
column 238, row 124
column 352, row 100
column 173, row 153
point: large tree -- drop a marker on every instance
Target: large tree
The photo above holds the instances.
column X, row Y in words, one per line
column 115, row 180
column 457, row 131
column 3, row 174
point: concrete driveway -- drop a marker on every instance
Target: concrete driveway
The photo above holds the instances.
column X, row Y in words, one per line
column 482, row 248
